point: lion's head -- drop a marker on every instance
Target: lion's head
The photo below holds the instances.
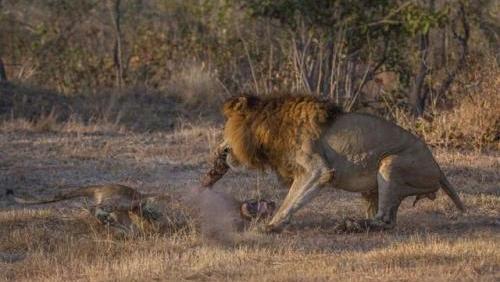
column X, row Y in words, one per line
column 264, row 132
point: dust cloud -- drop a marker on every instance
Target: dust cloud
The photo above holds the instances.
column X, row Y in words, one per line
column 217, row 212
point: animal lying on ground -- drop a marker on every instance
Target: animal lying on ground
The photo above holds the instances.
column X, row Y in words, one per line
column 312, row 144
column 113, row 204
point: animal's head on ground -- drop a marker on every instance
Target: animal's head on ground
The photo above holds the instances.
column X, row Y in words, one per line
column 257, row 209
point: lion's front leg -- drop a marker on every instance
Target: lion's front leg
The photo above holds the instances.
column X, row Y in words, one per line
column 303, row 189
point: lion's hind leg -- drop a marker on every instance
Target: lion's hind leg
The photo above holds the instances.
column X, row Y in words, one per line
column 394, row 185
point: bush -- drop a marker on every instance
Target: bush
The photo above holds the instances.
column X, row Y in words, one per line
column 472, row 122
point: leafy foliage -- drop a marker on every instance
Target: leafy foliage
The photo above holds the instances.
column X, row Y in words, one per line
column 327, row 47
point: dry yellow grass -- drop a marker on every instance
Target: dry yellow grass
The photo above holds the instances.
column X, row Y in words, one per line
column 473, row 122
column 432, row 241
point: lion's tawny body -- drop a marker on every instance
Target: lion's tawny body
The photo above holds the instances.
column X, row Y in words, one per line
column 358, row 160
column 311, row 144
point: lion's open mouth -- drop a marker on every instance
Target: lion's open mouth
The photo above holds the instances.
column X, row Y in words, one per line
column 257, row 209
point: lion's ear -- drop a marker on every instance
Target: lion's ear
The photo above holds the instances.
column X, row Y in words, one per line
column 245, row 103
column 241, row 104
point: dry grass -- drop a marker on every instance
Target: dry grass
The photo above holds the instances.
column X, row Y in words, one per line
column 198, row 89
column 60, row 242
column 49, row 123
column 193, row 96
column 473, row 122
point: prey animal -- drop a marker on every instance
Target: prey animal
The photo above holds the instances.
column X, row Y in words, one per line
column 112, row 204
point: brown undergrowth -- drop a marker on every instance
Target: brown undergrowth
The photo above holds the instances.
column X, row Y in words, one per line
column 473, row 119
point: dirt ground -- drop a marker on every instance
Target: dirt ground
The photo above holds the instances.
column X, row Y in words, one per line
column 59, row 242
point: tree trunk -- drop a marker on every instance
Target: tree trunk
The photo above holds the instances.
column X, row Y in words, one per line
column 463, row 41
column 3, row 73
column 419, row 90
column 117, row 51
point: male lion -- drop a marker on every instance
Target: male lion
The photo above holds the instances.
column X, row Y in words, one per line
column 312, row 144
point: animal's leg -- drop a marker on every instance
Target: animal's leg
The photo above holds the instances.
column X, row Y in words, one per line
column 119, row 221
column 122, row 223
column 388, row 203
column 303, row 189
column 393, row 187
column 371, row 200
column 385, row 218
column 123, row 218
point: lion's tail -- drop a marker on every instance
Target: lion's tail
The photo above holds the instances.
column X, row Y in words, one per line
column 450, row 191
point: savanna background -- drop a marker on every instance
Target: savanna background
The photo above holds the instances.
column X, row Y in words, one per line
column 128, row 91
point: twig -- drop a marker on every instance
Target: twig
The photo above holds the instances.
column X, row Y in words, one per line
column 247, row 53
